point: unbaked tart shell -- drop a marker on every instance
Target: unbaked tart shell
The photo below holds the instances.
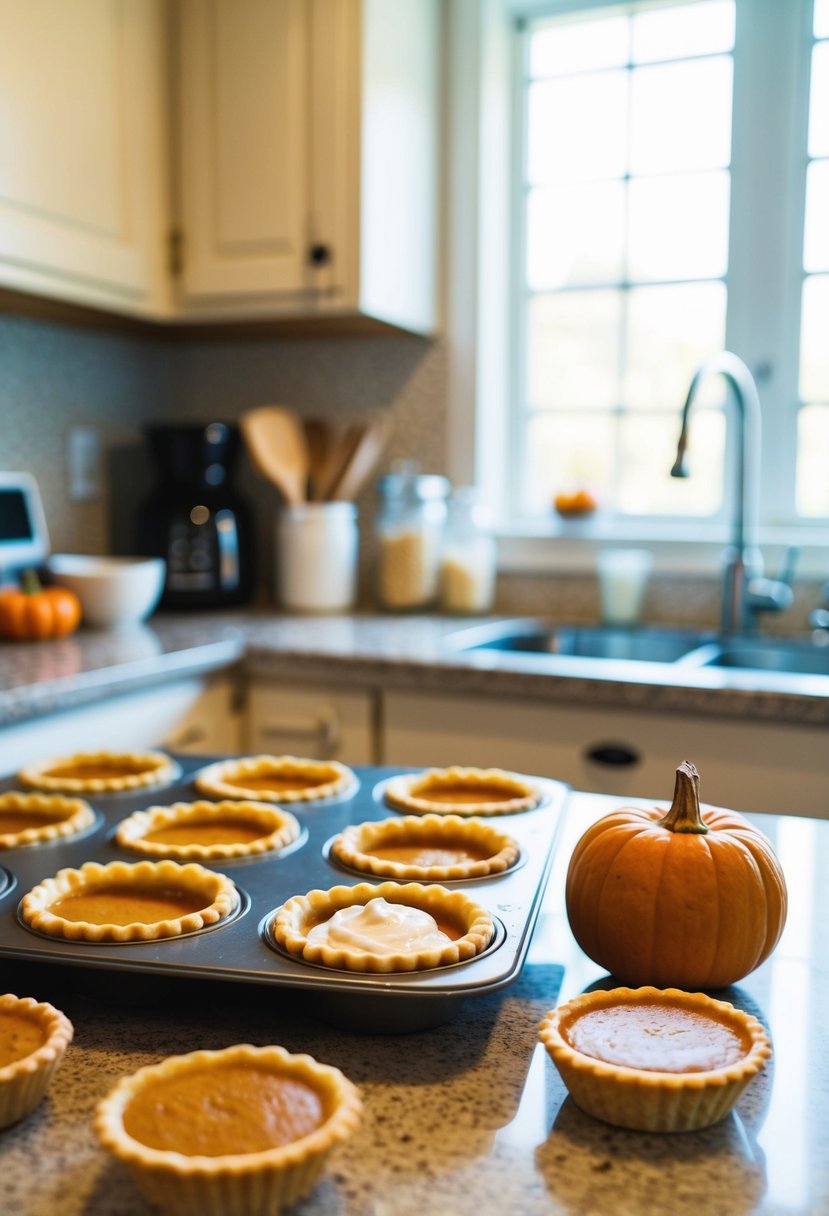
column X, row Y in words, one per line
column 315, row 779
column 24, row 1081
column 462, row 791
column 646, row 1100
column 101, row 772
column 215, row 893
column 42, row 817
column 277, row 830
column 236, row 1184
column 295, row 919
column 489, row 851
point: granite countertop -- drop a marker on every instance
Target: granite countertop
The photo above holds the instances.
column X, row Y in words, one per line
column 471, row 1117
column 374, row 651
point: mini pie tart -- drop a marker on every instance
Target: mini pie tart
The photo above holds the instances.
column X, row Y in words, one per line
column 27, row 819
column 33, row 1039
column 465, row 928
column 119, row 902
column 241, row 1131
column 462, row 791
column 208, row 831
column 275, row 779
column 658, row 1060
column 99, row 772
column 431, row 847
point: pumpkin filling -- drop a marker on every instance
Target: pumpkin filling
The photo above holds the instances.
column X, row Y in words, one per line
column 12, row 822
column 126, row 905
column 216, row 1112
column 471, row 795
column 19, row 1037
column 277, row 782
column 380, row 927
column 209, row 831
column 428, row 852
column 91, row 772
column 656, row 1038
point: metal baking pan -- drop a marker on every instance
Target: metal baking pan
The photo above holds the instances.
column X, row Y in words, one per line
column 241, row 948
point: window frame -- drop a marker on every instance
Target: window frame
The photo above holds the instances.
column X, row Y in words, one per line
column 771, row 94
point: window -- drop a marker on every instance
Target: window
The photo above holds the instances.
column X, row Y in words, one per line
column 670, row 199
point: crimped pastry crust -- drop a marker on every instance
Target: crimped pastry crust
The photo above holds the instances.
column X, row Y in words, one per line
column 150, row 769
column 353, row 847
column 294, row 920
column 411, row 792
column 236, row 1184
column 218, row 892
column 649, row 1100
column 73, row 816
column 279, row 829
column 330, row 778
column 23, row 1082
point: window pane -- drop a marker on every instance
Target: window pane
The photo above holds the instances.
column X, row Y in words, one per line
column 677, row 33
column 821, row 26
column 647, row 452
column 814, row 349
column 816, row 235
column 573, row 349
column 678, row 227
column 670, row 330
column 584, row 45
column 819, row 103
column 578, row 128
column 813, row 460
column 575, row 234
column 681, row 116
column 567, row 451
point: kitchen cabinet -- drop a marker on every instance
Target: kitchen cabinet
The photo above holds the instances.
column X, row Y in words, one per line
column 750, row 766
column 83, row 169
column 308, row 720
column 307, row 135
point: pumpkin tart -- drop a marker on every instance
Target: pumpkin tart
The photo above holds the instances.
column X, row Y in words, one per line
column 99, row 772
column 275, row 779
column 119, row 902
column 33, row 1039
column 241, row 1131
column 652, row 1059
column 436, row 848
column 389, row 927
column 27, row 819
column 462, row 791
column 208, row 831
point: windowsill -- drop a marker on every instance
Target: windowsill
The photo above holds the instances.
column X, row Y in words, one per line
column 569, row 547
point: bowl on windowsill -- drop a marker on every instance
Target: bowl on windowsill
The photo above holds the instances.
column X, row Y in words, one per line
column 115, row 592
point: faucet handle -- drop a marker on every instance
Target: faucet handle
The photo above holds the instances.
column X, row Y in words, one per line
column 790, row 559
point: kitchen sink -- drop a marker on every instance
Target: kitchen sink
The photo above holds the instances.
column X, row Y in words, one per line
column 687, row 648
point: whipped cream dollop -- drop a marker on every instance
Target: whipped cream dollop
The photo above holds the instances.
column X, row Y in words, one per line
column 379, row 927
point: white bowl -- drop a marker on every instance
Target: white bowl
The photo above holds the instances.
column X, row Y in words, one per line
column 113, row 591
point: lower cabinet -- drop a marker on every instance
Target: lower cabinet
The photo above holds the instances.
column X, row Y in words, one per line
column 770, row 767
column 309, row 720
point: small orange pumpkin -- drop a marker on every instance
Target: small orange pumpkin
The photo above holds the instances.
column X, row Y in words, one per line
column 35, row 613
column 689, row 899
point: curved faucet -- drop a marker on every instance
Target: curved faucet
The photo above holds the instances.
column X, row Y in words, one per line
column 744, row 592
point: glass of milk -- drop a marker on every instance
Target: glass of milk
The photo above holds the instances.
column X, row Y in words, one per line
column 623, row 577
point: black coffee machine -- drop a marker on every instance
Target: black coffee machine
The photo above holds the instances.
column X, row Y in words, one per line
column 194, row 519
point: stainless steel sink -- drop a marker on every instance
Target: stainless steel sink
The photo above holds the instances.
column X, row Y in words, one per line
column 686, row 648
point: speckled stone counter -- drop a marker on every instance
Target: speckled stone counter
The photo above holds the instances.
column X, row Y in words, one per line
column 375, row 651
column 471, row 1117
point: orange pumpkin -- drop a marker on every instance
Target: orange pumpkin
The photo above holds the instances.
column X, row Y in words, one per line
column 689, row 899
column 34, row 613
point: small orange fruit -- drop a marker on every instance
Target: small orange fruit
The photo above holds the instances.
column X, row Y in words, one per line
column 576, row 502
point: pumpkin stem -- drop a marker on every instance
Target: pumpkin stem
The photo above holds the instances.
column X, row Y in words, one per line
column 684, row 815
column 31, row 583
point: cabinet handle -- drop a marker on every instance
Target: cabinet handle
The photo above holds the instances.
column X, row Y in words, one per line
column 322, row 730
column 613, row 755
column 319, row 254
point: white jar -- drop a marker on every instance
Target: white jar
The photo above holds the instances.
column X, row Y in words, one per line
column 468, row 557
column 316, row 557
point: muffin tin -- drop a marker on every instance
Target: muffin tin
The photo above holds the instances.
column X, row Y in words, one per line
column 242, row 949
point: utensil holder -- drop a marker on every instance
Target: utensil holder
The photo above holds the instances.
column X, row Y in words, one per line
column 316, row 557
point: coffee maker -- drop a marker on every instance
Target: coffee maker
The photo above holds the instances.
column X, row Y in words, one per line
column 194, row 518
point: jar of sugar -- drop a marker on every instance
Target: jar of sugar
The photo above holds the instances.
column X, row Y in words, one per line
column 409, row 522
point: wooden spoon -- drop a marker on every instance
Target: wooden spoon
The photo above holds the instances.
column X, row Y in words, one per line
column 367, row 443
column 275, row 439
column 320, row 441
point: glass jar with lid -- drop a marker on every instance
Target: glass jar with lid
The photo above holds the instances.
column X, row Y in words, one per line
column 468, row 556
column 411, row 513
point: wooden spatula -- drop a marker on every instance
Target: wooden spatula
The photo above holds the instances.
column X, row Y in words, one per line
column 275, row 440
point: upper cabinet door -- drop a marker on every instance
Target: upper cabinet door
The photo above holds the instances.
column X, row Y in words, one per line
column 83, row 170
column 244, row 147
